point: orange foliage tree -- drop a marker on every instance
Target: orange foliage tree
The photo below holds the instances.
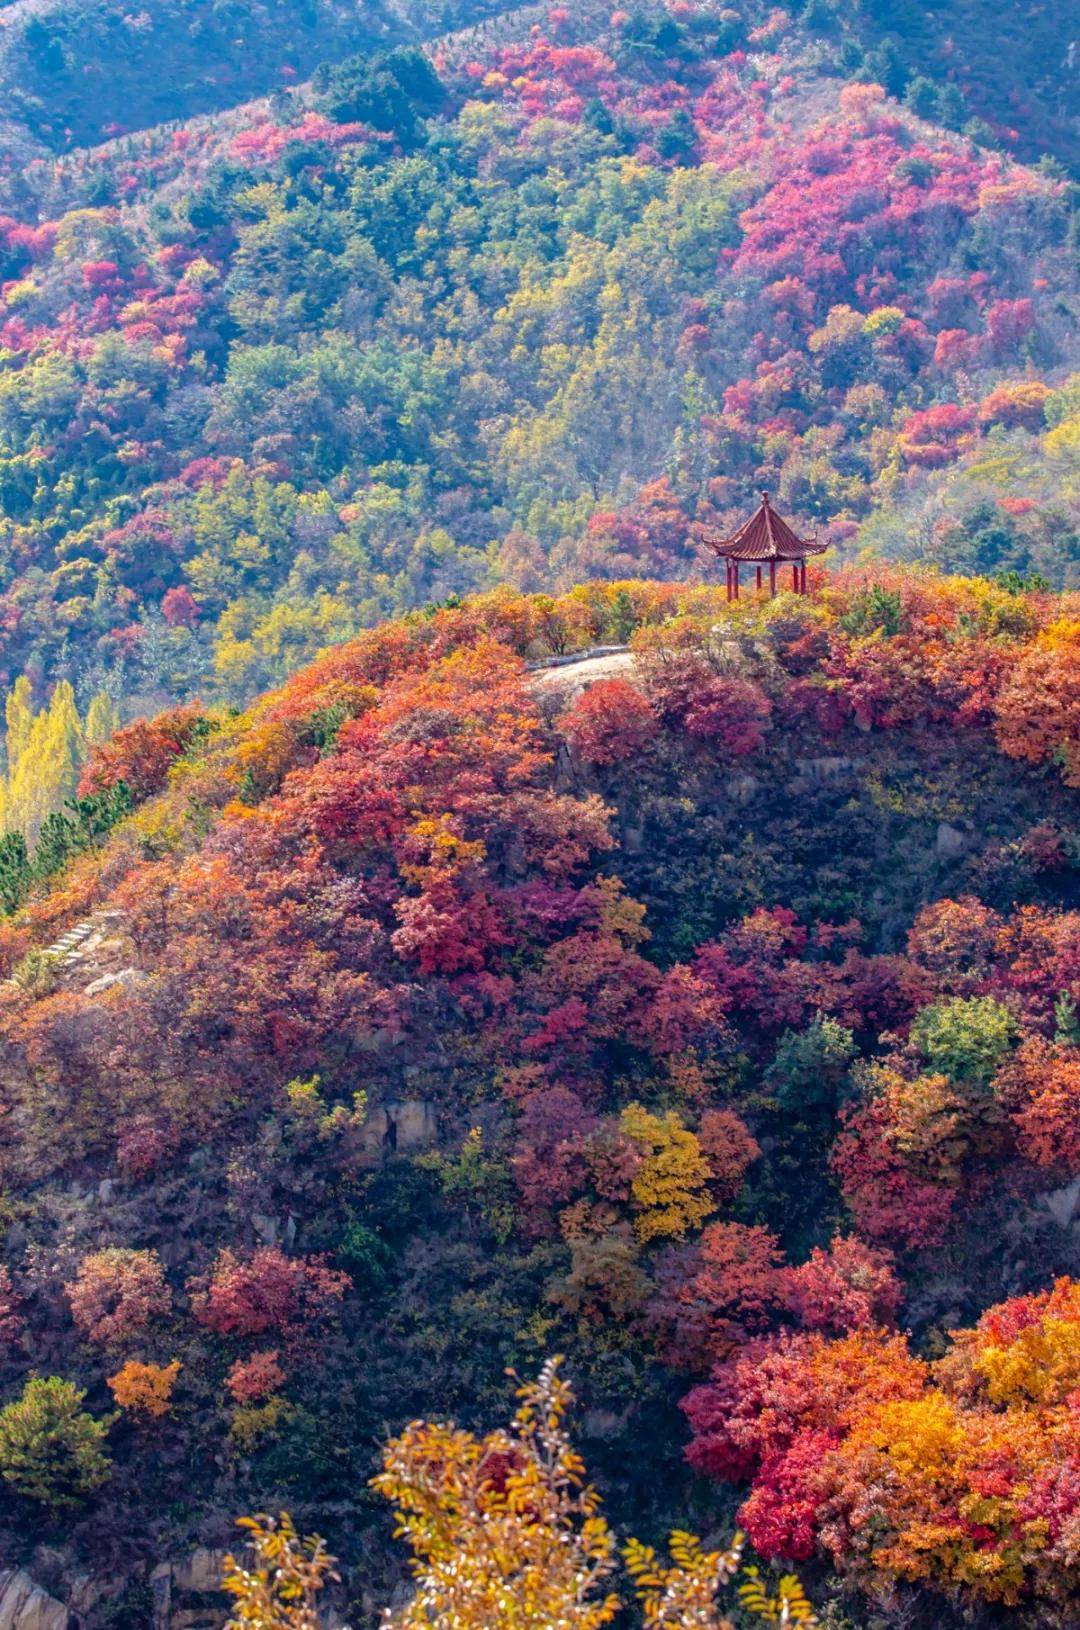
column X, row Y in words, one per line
column 117, row 1292
column 1037, row 709
column 964, row 1472
column 145, row 1389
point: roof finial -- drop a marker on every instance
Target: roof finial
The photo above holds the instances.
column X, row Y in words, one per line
column 765, row 494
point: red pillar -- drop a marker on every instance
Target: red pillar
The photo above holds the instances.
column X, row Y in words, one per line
column 802, row 578
column 728, row 565
column 795, row 578
column 735, row 574
column 759, row 579
column 772, row 577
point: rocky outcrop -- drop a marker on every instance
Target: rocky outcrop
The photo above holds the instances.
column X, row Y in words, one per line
column 824, row 771
column 126, row 978
column 563, row 678
column 25, row 1606
column 951, row 841
column 1063, row 1204
column 401, row 1127
column 187, row 1594
column 742, row 789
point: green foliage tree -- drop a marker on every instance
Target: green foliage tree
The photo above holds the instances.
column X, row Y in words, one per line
column 965, row 1037
column 16, row 872
column 51, row 1450
column 809, row 1067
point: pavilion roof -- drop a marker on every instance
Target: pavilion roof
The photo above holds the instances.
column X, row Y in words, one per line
column 765, row 536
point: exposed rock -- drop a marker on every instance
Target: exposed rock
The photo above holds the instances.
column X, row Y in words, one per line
column 85, row 1592
column 633, row 837
column 602, row 1424
column 399, row 1128
column 161, row 1596
column 201, row 1571
column 951, row 841
column 741, row 788
column 1062, row 1203
column 187, row 1593
column 126, row 978
column 573, row 659
column 25, row 1606
column 566, row 677
column 820, row 772
column 265, row 1227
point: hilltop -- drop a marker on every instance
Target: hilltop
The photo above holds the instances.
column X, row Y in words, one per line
column 542, row 301
column 714, row 1024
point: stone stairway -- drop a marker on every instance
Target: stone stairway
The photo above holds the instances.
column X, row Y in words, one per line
column 89, row 948
column 63, row 948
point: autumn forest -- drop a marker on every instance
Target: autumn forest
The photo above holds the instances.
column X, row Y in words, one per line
column 547, row 1089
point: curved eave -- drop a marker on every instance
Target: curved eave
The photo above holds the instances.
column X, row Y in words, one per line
column 769, row 549
column 765, row 536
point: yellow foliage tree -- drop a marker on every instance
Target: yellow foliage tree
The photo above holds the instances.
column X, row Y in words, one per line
column 671, row 1186
column 681, row 1595
column 19, row 717
column 44, row 751
column 505, row 1534
column 279, row 1591
column 504, row 1530
column 102, row 719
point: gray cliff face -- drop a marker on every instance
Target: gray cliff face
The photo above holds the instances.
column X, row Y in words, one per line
column 184, row 1594
column 25, row 1606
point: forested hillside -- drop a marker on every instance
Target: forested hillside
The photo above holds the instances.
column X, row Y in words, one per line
column 1014, row 70
column 76, row 72
column 544, row 303
column 713, row 1023
column 448, row 948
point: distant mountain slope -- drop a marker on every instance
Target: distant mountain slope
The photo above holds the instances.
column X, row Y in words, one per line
column 74, row 72
column 546, row 303
column 1015, row 67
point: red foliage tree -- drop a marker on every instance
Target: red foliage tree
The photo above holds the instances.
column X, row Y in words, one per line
column 888, row 1202
column 141, row 754
column 730, row 714
column 609, row 722
column 1040, row 1086
column 252, row 1380
column 144, row 1145
column 179, row 607
column 729, row 1148
column 12, row 1318
column 956, row 941
column 850, row 1286
column 711, row 1293
column 267, row 1292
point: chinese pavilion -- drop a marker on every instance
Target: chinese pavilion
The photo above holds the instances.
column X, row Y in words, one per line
column 765, row 539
